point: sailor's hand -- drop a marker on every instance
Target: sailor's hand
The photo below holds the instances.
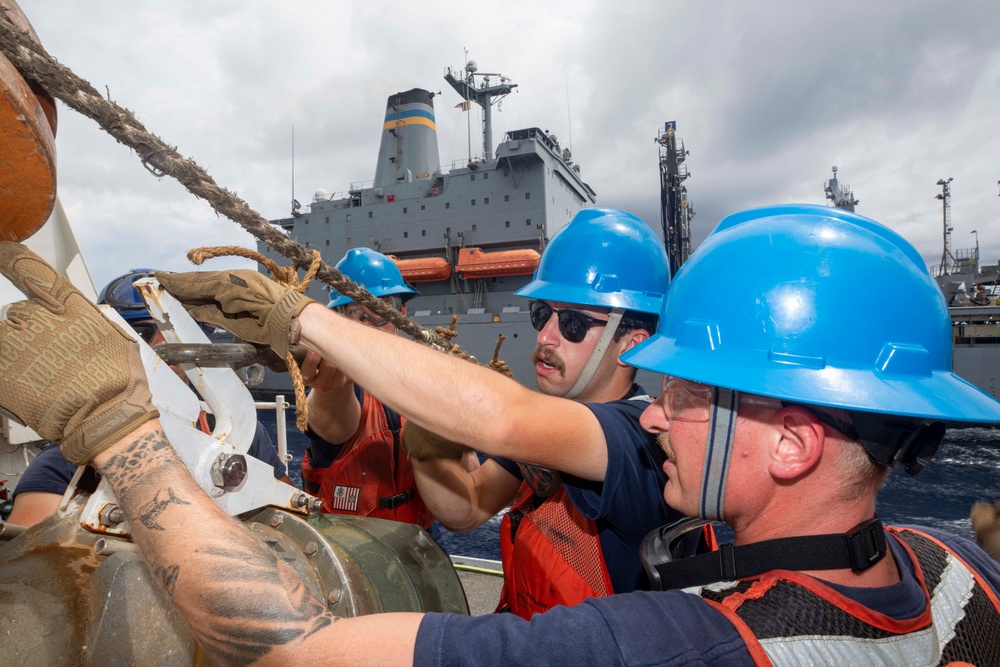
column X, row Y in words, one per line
column 68, row 372
column 320, row 374
column 986, row 525
column 243, row 302
column 422, row 445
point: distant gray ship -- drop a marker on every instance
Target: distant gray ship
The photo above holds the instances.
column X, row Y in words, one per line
column 467, row 237
column 971, row 289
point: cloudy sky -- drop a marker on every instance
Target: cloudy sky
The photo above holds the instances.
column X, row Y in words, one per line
column 767, row 96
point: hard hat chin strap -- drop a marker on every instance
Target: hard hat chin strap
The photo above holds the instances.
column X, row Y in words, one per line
column 718, row 452
column 587, row 374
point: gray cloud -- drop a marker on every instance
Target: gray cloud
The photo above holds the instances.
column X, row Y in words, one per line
column 767, row 96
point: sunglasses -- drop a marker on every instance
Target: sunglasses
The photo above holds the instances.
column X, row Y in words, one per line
column 573, row 325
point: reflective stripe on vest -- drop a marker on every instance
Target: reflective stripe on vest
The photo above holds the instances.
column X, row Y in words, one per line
column 787, row 618
column 551, row 555
column 371, row 475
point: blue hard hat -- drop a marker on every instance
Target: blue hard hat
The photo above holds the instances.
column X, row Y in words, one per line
column 375, row 272
column 814, row 305
column 120, row 295
column 606, row 258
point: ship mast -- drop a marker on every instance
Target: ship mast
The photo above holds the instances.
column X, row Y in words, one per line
column 675, row 209
column 947, row 259
column 841, row 195
column 482, row 92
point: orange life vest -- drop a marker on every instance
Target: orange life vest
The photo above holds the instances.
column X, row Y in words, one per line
column 551, row 555
column 371, row 475
column 790, row 618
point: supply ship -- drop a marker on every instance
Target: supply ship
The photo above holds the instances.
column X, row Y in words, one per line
column 466, row 236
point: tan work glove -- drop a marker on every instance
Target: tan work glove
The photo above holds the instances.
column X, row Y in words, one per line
column 422, row 445
column 243, row 302
column 986, row 525
column 67, row 371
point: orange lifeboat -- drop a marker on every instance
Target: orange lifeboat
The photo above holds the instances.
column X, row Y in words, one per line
column 423, row 269
column 474, row 263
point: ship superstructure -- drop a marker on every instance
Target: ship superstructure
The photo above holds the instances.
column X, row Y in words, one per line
column 466, row 235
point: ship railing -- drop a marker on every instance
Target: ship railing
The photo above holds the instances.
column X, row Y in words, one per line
column 279, row 405
column 476, row 159
column 362, row 185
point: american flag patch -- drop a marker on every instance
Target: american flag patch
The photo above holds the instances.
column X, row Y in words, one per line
column 345, row 498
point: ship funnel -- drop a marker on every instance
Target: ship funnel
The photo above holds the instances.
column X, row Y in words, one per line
column 409, row 149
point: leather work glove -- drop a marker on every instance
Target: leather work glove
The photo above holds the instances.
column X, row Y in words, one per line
column 243, row 302
column 67, row 371
column 422, row 445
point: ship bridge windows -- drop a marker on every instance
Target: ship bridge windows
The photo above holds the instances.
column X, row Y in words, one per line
column 406, row 235
column 506, row 224
column 447, row 204
column 527, row 222
column 348, row 217
column 328, row 241
column 473, row 202
column 371, row 214
column 423, row 232
column 327, row 221
column 404, row 210
column 472, row 177
column 506, row 197
column 527, row 195
column 423, row 207
column 486, row 176
column 486, row 201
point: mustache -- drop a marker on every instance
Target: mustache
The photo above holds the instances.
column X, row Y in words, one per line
column 548, row 356
column 663, row 440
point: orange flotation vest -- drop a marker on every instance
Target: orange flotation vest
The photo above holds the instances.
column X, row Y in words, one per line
column 551, row 555
column 371, row 475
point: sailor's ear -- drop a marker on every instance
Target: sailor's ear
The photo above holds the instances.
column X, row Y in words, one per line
column 630, row 340
column 402, row 309
column 798, row 443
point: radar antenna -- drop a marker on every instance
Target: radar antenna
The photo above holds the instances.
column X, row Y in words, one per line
column 476, row 86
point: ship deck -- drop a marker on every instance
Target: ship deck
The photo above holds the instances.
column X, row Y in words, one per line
column 481, row 579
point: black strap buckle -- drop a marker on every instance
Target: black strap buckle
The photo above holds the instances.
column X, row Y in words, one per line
column 866, row 545
column 392, row 502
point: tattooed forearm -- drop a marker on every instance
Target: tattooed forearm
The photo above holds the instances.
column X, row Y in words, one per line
column 150, row 511
column 239, row 599
column 141, row 458
column 168, row 576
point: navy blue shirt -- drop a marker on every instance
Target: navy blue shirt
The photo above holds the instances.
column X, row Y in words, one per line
column 629, row 503
column 49, row 472
column 646, row 628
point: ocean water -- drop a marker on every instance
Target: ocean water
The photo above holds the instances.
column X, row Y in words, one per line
column 966, row 469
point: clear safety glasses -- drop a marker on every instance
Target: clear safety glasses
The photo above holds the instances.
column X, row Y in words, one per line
column 573, row 325
column 688, row 401
column 358, row 314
